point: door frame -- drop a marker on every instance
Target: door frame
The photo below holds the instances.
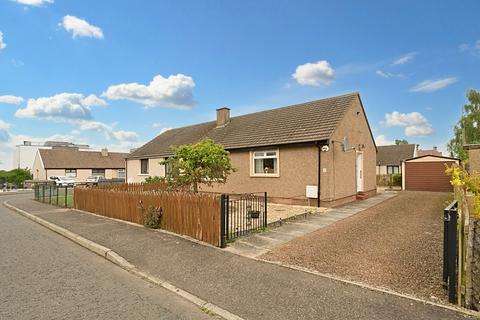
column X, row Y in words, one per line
column 359, row 174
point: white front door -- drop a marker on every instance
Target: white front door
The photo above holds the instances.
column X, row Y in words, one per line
column 359, row 173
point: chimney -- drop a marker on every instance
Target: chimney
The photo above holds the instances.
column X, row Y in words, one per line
column 104, row 152
column 435, row 148
column 223, row 116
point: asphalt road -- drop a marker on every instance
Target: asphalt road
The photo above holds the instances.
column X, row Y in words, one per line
column 45, row 276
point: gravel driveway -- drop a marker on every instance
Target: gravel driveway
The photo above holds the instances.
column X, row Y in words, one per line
column 396, row 244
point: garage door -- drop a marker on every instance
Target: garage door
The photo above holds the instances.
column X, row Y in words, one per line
column 427, row 176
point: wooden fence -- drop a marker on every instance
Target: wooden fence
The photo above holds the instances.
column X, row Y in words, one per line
column 141, row 187
column 194, row 215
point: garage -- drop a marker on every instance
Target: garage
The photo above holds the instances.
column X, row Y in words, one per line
column 427, row 173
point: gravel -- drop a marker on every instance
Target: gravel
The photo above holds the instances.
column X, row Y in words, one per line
column 396, row 245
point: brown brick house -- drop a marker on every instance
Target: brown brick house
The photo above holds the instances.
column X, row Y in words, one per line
column 322, row 147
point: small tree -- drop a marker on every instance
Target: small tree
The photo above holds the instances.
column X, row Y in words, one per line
column 400, row 141
column 467, row 129
column 16, row 176
column 205, row 162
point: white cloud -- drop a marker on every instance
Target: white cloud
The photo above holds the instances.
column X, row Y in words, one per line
column 81, row 28
column 473, row 49
column 61, row 107
column 4, row 133
column 34, row 3
column 108, row 131
column 382, row 140
column 176, row 91
column 314, row 74
column 11, row 99
column 2, row 43
column 433, row 85
column 385, row 74
column 404, row 59
column 415, row 123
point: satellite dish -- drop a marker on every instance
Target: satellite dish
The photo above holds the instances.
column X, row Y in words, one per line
column 325, row 148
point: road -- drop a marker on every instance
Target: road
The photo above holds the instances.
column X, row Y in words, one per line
column 45, row 276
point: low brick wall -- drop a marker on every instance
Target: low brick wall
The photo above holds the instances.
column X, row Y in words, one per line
column 476, row 266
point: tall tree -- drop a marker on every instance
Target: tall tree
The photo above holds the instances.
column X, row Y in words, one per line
column 467, row 129
column 400, row 141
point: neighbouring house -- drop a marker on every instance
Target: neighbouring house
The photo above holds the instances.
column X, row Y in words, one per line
column 25, row 153
column 431, row 152
column 78, row 164
column 389, row 158
column 473, row 157
column 427, row 173
column 315, row 153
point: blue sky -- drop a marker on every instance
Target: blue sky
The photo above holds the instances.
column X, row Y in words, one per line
column 116, row 73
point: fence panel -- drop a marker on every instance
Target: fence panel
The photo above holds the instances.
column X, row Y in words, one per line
column 195, row 215
column 450, row 250
column 53, row 194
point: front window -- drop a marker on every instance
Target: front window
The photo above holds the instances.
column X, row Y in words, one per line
column 121, row 173
column 98, row 172
column 144, row 166
column 393, row 169
column 265, row 162
column 71, row 173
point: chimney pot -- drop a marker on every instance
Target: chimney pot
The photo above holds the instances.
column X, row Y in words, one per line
column 435, row 148
column 104, row 152
column 223, row 116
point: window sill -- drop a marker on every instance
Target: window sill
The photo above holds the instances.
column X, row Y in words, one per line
column 143, row 174
column 265, row 176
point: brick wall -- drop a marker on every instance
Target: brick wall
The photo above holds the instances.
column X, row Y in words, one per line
column 476, row 266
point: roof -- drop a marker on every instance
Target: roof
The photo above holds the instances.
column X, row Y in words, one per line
column 432, row 152
column 75, row 159
column 433, row 156
column 394, row 154
column 305, row 122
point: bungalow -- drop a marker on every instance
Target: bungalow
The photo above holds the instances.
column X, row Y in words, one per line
column 78, row 164
column 315, row 153
column 389, row 158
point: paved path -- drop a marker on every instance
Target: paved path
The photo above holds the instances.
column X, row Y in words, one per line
column 257, row 244
column 45, row 276
column 248, row 288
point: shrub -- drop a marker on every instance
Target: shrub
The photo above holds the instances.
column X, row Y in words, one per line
column 154, row 180
column 397, row 179
column 152, row 217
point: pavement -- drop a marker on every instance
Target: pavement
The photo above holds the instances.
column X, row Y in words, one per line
column 45, row 276
column 248, row 288
column 258, row 244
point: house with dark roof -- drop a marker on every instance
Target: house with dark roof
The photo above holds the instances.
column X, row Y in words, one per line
column 429, row 152
column 78, row 164
column 389, row 158
column 315, row 153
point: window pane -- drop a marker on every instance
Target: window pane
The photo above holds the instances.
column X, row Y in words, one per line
column 272, row 153
column 259, row 154
column 98, row 172
column 266, row 166
column 144, row 166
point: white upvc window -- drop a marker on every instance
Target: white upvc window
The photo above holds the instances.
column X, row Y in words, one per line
column 265, row 163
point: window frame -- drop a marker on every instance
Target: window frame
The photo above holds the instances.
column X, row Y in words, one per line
column 393, row 169
column 141, row 167
column 124, row 173
column 71, row 171
column 265, row 151
column 98, row 175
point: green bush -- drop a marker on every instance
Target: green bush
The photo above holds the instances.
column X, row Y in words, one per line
column 154, row 180
column 152, row 217
column 397, row 179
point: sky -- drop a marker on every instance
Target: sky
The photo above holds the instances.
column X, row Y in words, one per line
column 116, row 73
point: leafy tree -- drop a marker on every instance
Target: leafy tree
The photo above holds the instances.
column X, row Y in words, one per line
column 400, row 141
column 205, row 162
column 467, row 129
column 15, row 176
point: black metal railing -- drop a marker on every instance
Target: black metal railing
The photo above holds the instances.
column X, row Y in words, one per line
column 242, row 214
column 450, row 250
column 53, row 194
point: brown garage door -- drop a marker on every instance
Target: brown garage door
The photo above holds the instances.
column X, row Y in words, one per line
column 427, row 176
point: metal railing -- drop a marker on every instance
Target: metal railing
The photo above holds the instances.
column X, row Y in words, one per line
column 53, row 194
column 242, row 214
column 450, row 250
